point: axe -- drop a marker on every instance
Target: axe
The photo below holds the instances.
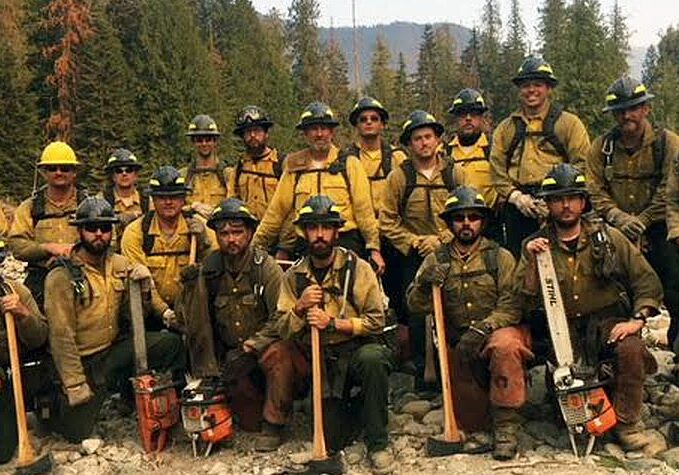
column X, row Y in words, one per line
column 28, row 462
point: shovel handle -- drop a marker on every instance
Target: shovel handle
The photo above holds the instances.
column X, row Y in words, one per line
column 319, row 450
column 450, row 430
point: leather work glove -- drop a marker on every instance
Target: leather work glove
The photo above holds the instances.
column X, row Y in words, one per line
column 196, row 226
column 140, row 272
column 433, row 275
column 528, row 205
column 126, row 218
column 428, row 244
column 189, row 273
column 202, row 209
column 79, row 394
column 471, row 344
column 633, row 228
column 170, row 318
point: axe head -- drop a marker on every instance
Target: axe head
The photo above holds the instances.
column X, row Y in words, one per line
column 331, row 466
column 436, row 447
column 41, row 465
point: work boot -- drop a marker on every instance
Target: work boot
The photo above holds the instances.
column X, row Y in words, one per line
column 270, row 438
column 382, row 461
column 633, row 437
column 506, row 423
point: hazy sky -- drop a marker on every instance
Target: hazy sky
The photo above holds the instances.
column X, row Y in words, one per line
column 645, row 18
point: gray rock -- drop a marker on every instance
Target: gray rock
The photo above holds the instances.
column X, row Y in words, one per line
column 398, row 421
column 671, row 457
column 615, row 451
column 434, row 417
column 665, row 360
column 300, row 458
column 92, row 465
column 219, row 468
column 544, row 431
column 642, row 465
column 90, row 446
column 416, row 429
column 417, row 409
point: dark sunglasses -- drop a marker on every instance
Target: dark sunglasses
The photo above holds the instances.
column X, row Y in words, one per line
column 121, row 170
column 472, row 217
column 203, row 139
column 103, row 227
column 59, row 168
column 369, row 118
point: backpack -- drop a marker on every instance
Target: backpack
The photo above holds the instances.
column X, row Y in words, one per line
column 109, row 196
column 386, row 151
column 148, row 240
column 489, row 256
column 218, row 170
column 448, row 148
column 659, row 148
column 77, row 275
column 411, row 181
column 38, row 206
column 520, row 134
column 302, row 282
column 238, row 171
column 339, row 166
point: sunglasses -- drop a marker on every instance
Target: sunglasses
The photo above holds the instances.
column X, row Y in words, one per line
column 472, row 217
column 94, row 227
column 369, row 118
column 121, row 170
column 203, row 139
column 59, row 168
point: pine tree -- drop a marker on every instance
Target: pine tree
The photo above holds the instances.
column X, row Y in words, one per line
column 513, row 52
column 19, row 131
column 403, row 94
column 382, row 76
column 552, row 24
column 338, row 95
column 447, row 73
column 426, row 69
column 470, row 61
column 649, row 67
column 303, row 39
column 618, row 41
column 490, row 55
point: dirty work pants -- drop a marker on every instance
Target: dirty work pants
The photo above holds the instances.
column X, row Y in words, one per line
column 343, row 419
column 109, row 371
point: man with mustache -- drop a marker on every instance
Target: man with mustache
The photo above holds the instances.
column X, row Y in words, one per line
column 627, row 169
column 88, row 314
column 337, row 292
column 481, row 313
column 206, row 175
column 161, row 238
column 608, row 290
column 527, row 144
column 40, row 232
column 228, row 306
column 322, row 169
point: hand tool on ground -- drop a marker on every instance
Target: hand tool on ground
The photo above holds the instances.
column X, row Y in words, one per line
column 28, row 463
column 584, row 405
column 193, row 245
column 320, row 461
column 155, row 394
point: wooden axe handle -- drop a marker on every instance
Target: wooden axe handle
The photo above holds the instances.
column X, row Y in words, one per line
column 26, row 451
column 192, row 249
column 319, row 451
column 429, row 360
column 450, row 430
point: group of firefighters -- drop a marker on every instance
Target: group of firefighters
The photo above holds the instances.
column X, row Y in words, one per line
column 468, row 213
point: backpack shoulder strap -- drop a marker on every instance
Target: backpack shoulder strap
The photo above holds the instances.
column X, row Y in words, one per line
column 38, row 206
column 340, row 166
column 387, row 152
column 490, row 260
column 76, row 274
column 659, row 149
column 411, row 179
column 147, row 239
column 555, row 111
column 258, row 258
column 448, row 176
column 144, row 201
column 278, row 166
column 109, row 195
column 518, row 139
column 221, row 166
column 350, row 267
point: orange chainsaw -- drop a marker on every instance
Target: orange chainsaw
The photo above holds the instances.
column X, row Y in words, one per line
column 585, row 407
column 155, row 393
column 205, row 414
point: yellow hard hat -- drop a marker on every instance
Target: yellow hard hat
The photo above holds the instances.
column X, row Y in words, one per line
column 58, row 153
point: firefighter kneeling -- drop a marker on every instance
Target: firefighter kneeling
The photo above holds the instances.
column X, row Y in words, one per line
column 228, row 307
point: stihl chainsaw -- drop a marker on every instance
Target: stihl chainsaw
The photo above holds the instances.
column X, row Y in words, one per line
column 583, row 403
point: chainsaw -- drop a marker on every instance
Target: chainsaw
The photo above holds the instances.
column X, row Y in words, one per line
column 155, row 394
column 205, row 415
column 584, row 406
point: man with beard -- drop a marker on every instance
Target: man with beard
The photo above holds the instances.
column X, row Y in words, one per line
column 128, row 203
column 470, row 148
column 527, row 144
column 40, row 231
column 255, row 176
column 206, row 175
column 161, row 238
column 627, row 171
column 88, row 313
column 476, row 277
column 608, row 290
column 337, row 292
column 321, row 169
column 228, row 305
column 416, row 193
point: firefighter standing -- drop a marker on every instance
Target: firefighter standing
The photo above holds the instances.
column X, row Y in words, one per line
column 40, row 230
column 481, row 316
column 627, row 172
column 161, row 238
column 350, row 318
column 416, row 193
column 88, row 295
column 229, row 309
column 321, row 169
column 608, row 289
column 31, row 327
column 527, row 144
column 206, row 175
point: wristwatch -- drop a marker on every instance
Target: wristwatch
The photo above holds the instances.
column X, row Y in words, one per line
column 639, row 316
